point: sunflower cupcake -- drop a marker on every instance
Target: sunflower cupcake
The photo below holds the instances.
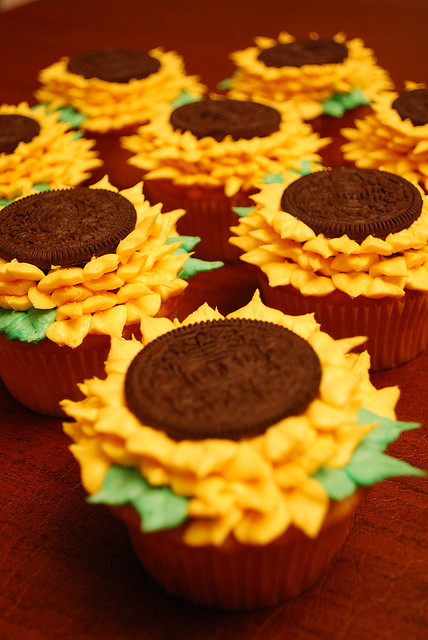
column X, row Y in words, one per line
column 234, row 449
column 38, row 151
column 394, row 137
column 207, row 157
column 114, row 91
column 78, row 266
column 350, row 245
column 318, row 75
column 327, row 80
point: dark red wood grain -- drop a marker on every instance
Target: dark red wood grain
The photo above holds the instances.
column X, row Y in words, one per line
column 67, row 569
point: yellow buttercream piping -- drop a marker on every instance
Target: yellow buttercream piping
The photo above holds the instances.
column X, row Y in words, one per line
column 308, row 86
column 382, row 140
column 104, row 295
column 113, row 105
column 163, row 152
column 54, row 157
column 252, row 489
column 317, row 265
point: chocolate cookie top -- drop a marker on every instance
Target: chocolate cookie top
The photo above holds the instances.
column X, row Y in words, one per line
column 15, row 129
column 228, row 379
column 355, row 202
column 413, row 105
column 113, row 65
column 304, row 51
column 65, row 228
column 219, row 118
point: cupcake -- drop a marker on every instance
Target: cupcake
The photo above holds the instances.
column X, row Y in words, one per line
column 38, row 151
column 78, row 266
column 350, row 245
column 207, row 156
column 324, row 78
column 234, row 449
column 394, row 137
column 115, row 91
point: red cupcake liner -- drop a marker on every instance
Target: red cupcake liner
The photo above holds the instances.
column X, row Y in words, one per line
column 236, row 576
column 115, row 158
column 208, row 215
column 41, row 374
column 396, row 328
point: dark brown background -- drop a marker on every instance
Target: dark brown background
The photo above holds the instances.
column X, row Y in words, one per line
column 67, row 570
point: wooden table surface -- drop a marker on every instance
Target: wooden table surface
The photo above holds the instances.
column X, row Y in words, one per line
column 67, row 569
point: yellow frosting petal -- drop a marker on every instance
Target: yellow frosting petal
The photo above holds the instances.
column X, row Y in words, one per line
column 383, row 140
column 305, row 88
column 109, row 291
column 112, row 105
column 163, row 152
column 54, row 157
column 317, row 266
column 251, row 489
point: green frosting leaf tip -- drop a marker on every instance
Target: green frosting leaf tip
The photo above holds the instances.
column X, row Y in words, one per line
column 187, row 242
column 273, row 178
column 192, row 266
column 26, row 326
column 67, row 114
column 369, row 464
column 225, row 84
column 158, row 507
column 338, row 103
column 243, row 212
column 184, row 97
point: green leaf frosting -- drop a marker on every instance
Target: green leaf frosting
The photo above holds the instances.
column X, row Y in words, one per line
column 192, row 266
column 26, row 326
column 368, row 463
column 278, row 178
column 35, row 187
column 336, row 482
column 4, row 203
column 243, row 212
column 273, row 178
column 184, row 97
column 67, row 114
column 225, row 84
column 338, row 103
column 158, row 507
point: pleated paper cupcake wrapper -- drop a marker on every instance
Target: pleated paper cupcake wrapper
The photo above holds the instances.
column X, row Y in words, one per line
column 236, row 576
column 209, row 215
column 115, row 158
column 396, row 328
column 41, row 374
column 329, row 127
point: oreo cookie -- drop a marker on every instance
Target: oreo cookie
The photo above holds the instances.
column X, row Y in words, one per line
column 413, row 105
column 14, row 129
column 65, row 227
column 228, row 379
column 219, row 118
column 113, row 65
column 353, row 202
column 304, row 51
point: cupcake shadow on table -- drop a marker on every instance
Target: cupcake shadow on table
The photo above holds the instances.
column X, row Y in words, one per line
column 235, row 450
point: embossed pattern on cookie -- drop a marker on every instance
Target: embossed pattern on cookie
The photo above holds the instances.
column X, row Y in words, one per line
column 228, row 379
